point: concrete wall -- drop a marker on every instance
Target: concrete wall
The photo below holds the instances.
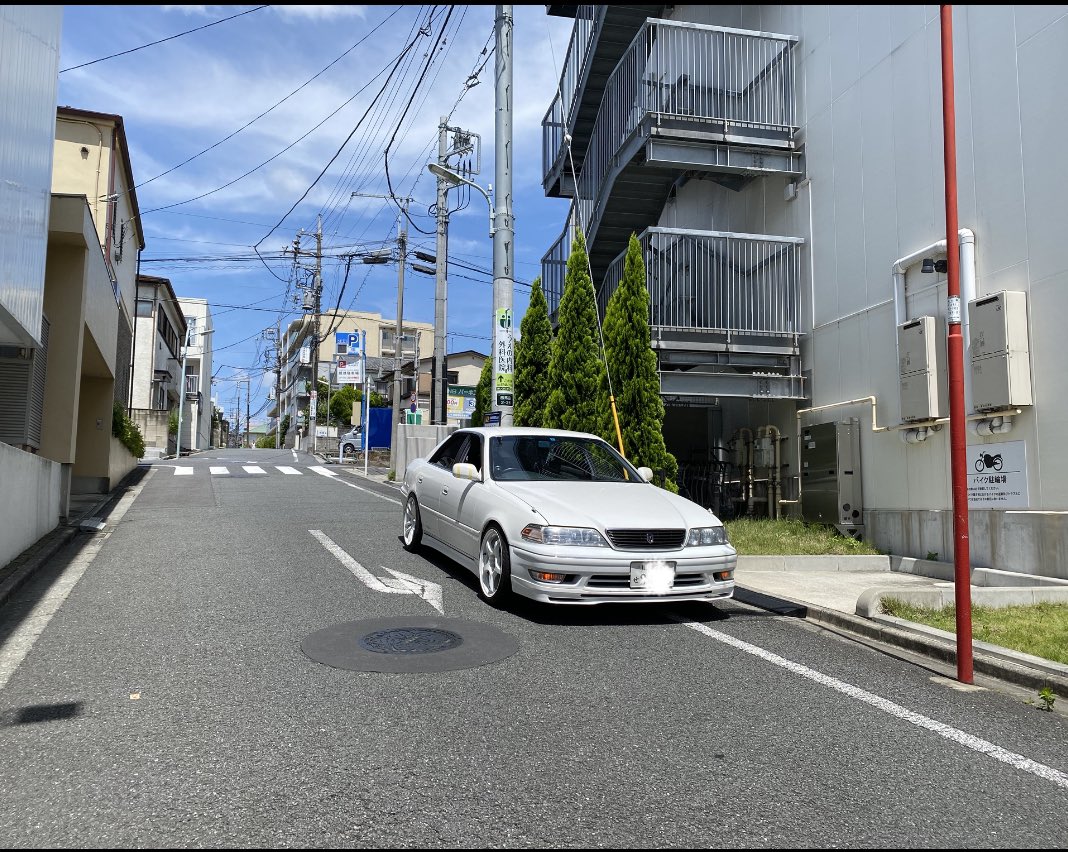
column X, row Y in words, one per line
column 1019, row 542
column 122, row 462
column 416, row 442
column 29, row 500
column 153, row 425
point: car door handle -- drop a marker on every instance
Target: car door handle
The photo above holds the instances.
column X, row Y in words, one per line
column 444, row 490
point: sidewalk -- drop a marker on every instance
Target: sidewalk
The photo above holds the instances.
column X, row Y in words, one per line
column 843, row 593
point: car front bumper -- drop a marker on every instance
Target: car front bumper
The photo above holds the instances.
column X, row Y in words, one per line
column 603, row 575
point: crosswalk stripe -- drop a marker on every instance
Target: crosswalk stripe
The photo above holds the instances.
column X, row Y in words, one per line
column 183, row 471
column 219, row 471
column 322, row 471
column 251, row 468
column 288, row 470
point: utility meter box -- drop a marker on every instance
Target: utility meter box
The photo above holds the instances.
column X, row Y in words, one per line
column 830, row 476
column 919, row 366
column 1001, row 359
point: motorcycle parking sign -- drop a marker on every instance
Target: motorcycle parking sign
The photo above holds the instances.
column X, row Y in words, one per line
column 997, row 476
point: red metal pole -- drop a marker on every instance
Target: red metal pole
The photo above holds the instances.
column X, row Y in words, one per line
column 958, row 438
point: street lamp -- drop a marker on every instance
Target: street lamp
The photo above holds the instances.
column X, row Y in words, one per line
column 452, row 178
column 181, row 389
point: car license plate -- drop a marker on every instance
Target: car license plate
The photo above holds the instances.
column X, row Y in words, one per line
column 656, row 577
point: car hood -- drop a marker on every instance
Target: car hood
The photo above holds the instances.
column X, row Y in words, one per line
column 609, row 505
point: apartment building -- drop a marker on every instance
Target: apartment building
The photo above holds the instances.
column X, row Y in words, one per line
column 782, row 168
column 296, row 357
column 196, row 416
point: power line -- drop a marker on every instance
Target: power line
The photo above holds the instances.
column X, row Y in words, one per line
column 273, row 107
column 162, row 40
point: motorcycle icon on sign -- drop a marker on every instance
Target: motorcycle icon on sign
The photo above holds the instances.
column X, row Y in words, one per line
column 986, row 461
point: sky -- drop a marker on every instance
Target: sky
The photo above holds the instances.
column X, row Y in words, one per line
column 246, row 123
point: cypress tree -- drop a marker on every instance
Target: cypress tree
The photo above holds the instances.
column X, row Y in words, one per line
column 482, row 393
column 632, row 363
column 578, row 399
column 532, row 356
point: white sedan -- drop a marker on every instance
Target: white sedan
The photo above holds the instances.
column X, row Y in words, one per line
column 562, row 517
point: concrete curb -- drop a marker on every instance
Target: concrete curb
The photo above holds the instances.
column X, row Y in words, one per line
column 1001, row 663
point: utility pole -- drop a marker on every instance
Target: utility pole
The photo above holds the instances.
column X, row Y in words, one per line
column 439, row 392
column 248, row 416
column 402, row 257
column 503, row 380
column 318, row 285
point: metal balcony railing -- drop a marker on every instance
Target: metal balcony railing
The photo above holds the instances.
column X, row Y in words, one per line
column 561, row 111
column 717, row 282
column 735, row 82
column 192, row 385
column 554, row 266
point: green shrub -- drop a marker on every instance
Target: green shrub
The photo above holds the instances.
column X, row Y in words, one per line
column 265, row 442
column 172, row 423
column 128, row 432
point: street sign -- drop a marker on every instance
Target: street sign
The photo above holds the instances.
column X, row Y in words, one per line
column 348, row 343
column 350, row 370
column 493, row 418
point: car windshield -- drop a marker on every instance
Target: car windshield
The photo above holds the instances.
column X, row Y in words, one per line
column 552, row 458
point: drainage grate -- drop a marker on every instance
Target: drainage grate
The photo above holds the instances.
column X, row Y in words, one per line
column 410, row 640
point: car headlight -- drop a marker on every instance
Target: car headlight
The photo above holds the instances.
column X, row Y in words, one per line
column 706, row 536
column 577, row 536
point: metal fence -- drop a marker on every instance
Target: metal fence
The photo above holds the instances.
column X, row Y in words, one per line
column 559, row 116
column 736, row 81
column 716, row 281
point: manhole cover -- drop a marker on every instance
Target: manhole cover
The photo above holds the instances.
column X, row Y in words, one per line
column 408, row 645
column 410, row 640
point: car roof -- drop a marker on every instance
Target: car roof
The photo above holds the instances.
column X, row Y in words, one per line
column 527, row 430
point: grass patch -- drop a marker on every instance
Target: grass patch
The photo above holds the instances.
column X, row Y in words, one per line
column 1040, row 630
column 791, row 537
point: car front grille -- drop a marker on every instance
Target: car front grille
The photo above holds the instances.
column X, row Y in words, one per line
column 622, row 581
column 646, row 539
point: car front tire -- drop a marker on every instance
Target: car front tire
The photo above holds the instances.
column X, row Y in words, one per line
column 494, row 568
column 412, row 531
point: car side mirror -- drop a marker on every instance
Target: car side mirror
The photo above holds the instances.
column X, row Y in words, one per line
column 646, row 473
column 465, row 470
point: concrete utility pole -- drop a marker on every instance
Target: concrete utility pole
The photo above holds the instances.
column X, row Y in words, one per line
column 318, row 284
column 402, row 258
column 440, row 390
column 503, row 381
column 248, row 416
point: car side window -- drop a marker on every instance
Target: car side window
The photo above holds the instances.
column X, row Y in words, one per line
column 473, row 452
column 450, row 452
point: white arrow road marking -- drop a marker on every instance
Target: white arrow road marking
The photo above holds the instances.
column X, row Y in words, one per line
column 322, row 471
column 183, row 471
column 219, row 471
column 252, row 468
column 398, row 584
column 291, row 471
column 430, row 592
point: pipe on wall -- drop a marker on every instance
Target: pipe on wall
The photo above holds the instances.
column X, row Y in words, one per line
column 966, row 249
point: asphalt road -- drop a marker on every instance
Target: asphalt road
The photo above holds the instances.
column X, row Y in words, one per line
column 154, row 693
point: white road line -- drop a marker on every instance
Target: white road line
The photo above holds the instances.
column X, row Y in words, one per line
column 322, row 471
column 290, row 471
column 15, row 648
column 943, row 730
column 219, row 471
column 366, row 490
column 251, row 468
column 362, row 574
column 183, row 471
